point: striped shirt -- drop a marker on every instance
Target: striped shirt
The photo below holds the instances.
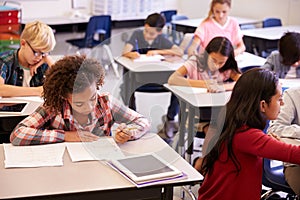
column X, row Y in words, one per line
column 44, row 126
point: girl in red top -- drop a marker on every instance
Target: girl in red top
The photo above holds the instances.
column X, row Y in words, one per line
column 233, row 164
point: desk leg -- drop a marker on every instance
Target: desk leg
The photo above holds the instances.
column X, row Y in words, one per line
column 182, row 120
column 167, row 193
column 191, row 134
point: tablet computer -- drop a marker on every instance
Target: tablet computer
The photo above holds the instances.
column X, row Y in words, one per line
column 13, row 107
column 146, row 167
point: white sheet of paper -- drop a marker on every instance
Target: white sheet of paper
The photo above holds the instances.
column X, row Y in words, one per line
column 103, row 149
column 33, row 155
column 145, row 58
column 191, row 90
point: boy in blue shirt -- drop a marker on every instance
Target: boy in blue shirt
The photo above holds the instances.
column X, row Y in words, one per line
column 151, row 41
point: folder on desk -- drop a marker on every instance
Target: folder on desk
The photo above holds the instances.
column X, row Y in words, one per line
column 147, row 169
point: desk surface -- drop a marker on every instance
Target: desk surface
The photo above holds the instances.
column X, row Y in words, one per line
column 247, row 59
column 34, row 103
column 175, row 63
column 73, row 178
column 62, row 20
column 196, row 22
column 270, row 33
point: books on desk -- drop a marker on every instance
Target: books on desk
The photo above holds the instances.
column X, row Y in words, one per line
column 147, row 169
column 146, row 58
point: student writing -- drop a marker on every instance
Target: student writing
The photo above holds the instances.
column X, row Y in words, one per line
column 22, row 71
column 285, row 62
column 73, row 110
column 218, row 23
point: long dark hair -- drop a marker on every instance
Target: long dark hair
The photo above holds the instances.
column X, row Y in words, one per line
column 242, row 110
column 220, row 45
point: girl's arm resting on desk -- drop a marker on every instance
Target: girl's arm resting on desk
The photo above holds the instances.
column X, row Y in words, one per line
column 177, row 78
column 12, row 90
column 33, row 129
column 257, row 143
column 80, row 136
column 122, row 114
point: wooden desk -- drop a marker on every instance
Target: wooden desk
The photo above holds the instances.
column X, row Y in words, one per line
column 92, row 179
column 190, row 25
column 137, row 74
column 262, row 38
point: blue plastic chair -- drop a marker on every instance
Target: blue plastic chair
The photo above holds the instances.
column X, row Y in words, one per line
column 273, row 178
column 168, row 16
column 100, row 25
column 177, row 36
column 271, row 22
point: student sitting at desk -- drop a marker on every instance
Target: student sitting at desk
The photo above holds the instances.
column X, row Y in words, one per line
column 287, row 125
column 22, row 70
column 286, row 62
column 73, row 111
column 218, row 23
column 151, row 41
column 233, row 166
column 215, row 65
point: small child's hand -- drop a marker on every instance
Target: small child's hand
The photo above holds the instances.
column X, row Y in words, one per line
column 214, row 87
column 152, row 53
column 123, row 134
column 134, row 55
column 273, row 135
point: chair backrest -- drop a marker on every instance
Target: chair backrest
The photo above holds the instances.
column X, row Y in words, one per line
column 186, row 42
column 177, row 36
column 168, row 14
column 100, row 24
column 270, row 22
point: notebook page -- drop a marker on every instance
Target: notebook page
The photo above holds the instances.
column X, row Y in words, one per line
column 34, row 155
column 103, row 149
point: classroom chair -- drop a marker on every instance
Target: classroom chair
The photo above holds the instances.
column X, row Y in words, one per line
column 270, row 46
column 97, row 34
column 177, row 36
column 273, row 178
column 168, row 16
column 186, row 42
column 271, row 22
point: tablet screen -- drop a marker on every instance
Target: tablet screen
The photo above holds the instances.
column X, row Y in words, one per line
column 12, row 107
column 145, row 165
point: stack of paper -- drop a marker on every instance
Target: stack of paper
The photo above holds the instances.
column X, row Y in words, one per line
column 145, row 170
column 34, row 155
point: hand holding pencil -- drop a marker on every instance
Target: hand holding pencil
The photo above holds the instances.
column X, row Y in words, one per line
column 124, row 133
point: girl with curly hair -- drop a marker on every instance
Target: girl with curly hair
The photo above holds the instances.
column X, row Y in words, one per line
column 73, row 111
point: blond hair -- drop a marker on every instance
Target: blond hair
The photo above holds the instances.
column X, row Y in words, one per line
column 39, row 35
column 213, row 3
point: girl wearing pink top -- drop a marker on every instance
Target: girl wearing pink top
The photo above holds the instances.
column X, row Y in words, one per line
column 218, row 23
column 214, row 66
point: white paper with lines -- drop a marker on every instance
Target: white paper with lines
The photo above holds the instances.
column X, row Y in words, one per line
column 34, row 155
column 103, row 149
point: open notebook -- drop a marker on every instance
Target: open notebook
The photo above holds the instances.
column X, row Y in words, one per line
column 146, row 169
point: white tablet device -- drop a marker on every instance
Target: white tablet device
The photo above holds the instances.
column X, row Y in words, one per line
column 147, row 167
column 13, row 107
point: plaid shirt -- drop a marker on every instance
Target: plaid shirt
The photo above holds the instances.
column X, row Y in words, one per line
column 13, row 73
column 44, row 126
